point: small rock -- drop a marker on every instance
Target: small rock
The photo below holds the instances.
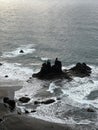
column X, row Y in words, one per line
column 5, row 99
column 36, row 102
column 58, row 98
column 10, row 102
column 1, row 120
column 33, row 111
column 49, row 101
column 26, row 111
column 24, row 99
column 90, row 110
column 21, row 51
column 6, row 76
column 1, row 64
column 19, row 113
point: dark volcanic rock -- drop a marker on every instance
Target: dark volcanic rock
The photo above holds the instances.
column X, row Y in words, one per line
column 49, row 101
column 90, row 110
column 33, row 111
column 26, row 112
column 10, row 102
column 1, row 120
column 36, row 102
column 21, row 51
column 6, row 76
column 49, row 71
column 80, row 70
column 24, row 99
column 1, row 64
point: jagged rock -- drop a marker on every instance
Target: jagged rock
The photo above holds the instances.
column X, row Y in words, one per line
column 24, row 99
column 55, row 71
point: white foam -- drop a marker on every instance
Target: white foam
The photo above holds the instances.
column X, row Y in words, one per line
column 45, row 58
column 26, row 48
column 15, row 71
column 52, row 87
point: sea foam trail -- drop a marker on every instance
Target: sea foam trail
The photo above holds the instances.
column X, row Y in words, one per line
column 27, row 49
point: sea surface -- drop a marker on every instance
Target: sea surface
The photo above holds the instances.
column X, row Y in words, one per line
column 46, row 29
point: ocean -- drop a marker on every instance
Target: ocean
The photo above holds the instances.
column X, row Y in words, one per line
column 45, row 29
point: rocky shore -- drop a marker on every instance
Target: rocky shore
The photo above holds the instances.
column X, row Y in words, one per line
column 11, row 118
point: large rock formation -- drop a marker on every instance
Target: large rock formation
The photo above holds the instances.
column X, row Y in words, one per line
column 55, row 71
column 49, row 71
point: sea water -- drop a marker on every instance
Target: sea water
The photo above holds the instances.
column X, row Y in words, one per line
column 46, row 29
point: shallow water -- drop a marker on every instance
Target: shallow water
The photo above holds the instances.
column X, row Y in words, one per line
column 46, row 29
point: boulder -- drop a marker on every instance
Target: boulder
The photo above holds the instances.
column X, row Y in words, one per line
column 10, row 102
column 24, row 99
column 6, row 76
column 90, row 110
column 21, row 51
column 80, row 70
column 49, row 101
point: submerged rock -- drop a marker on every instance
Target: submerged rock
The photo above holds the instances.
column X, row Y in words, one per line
column 24, row 99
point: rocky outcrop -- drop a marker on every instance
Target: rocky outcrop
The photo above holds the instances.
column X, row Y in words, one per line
column 46, row 102
column 55, row 71
column 10, row 102
column 49, row 71
column 24, row 99
column 21, row 51
column 80, row 70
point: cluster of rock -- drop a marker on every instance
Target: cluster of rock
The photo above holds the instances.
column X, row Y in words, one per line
column 49, row 71
column 81, row 70
column 10, row 103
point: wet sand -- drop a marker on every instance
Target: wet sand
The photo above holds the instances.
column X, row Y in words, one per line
column 18, row 122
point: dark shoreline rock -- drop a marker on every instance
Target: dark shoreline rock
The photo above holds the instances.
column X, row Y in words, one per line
column 24, row 99
column 46, row 102
column 11, row 103
column 49, row 72
column 21, row 51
